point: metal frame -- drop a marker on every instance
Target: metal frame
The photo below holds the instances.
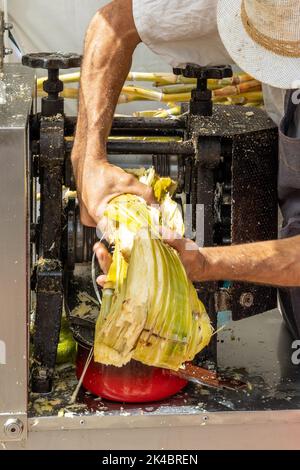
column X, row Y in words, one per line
column 14, row 243
column 2, row 31
column 176, row 428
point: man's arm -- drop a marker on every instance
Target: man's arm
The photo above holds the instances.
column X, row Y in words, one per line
column 274, row 263
column 110, row 42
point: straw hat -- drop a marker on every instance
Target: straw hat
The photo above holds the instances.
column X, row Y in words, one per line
column 263, row 38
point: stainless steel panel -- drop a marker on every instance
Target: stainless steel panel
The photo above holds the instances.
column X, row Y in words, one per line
column 1, row 39
column 230, row 430
column 14, row 242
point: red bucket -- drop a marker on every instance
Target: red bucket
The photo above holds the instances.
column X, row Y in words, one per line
column 133, row 383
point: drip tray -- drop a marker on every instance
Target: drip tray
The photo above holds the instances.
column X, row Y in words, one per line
column 257, row 350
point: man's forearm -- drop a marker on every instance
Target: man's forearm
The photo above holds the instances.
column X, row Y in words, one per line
column 275, row 263
column 110, row 42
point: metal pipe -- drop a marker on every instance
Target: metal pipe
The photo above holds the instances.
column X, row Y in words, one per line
column 147, row 132
column 138, row 126
column 4, row 26
column 151, row 148
column 5, row 10
column 148, row 123
column 145, row 148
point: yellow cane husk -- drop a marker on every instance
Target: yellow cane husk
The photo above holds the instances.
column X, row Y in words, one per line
column 150, row 310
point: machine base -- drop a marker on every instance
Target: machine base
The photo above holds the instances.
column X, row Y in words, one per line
column 266, row 416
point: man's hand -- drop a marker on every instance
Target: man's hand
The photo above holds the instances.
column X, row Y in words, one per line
column 190, row 255
column 98, row 183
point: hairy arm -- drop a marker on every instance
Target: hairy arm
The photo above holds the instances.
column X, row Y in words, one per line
column 110, row 42
column 274, row 263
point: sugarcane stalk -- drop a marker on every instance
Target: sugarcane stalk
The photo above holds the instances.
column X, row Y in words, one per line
column 175, row 111
column 145, row 113
column 68, row 93
column 151, row 95
column 253, row 96
column 235, row 80
column 212, row 84
column 124, row 98
column 246, row 86
column 149, row 77
column 254, row 104
column 252, row 85
column 66, row 78
column 173, row 79
column 219, row 99
column 72, row 93
column 180, row 88
column 237, row 99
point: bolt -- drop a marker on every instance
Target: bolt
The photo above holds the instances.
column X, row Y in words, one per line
column 42, row 373
column 8, row 51
column 8, row 26
column 53, row 86
column 247, row 300
column 13, row 428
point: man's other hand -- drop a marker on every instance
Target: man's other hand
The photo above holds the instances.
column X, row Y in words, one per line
column 104, row 259
column 190, row 255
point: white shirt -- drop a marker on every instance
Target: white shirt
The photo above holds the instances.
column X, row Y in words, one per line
column 181, row 31
column 185, row 31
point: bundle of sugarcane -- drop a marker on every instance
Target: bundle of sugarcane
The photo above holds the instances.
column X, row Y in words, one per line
column 240, row 89
column 150, row 310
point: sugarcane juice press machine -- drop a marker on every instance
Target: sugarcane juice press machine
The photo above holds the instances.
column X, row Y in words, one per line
column 224, row 159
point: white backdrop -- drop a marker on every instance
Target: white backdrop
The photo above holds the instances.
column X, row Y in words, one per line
column 60, row 25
